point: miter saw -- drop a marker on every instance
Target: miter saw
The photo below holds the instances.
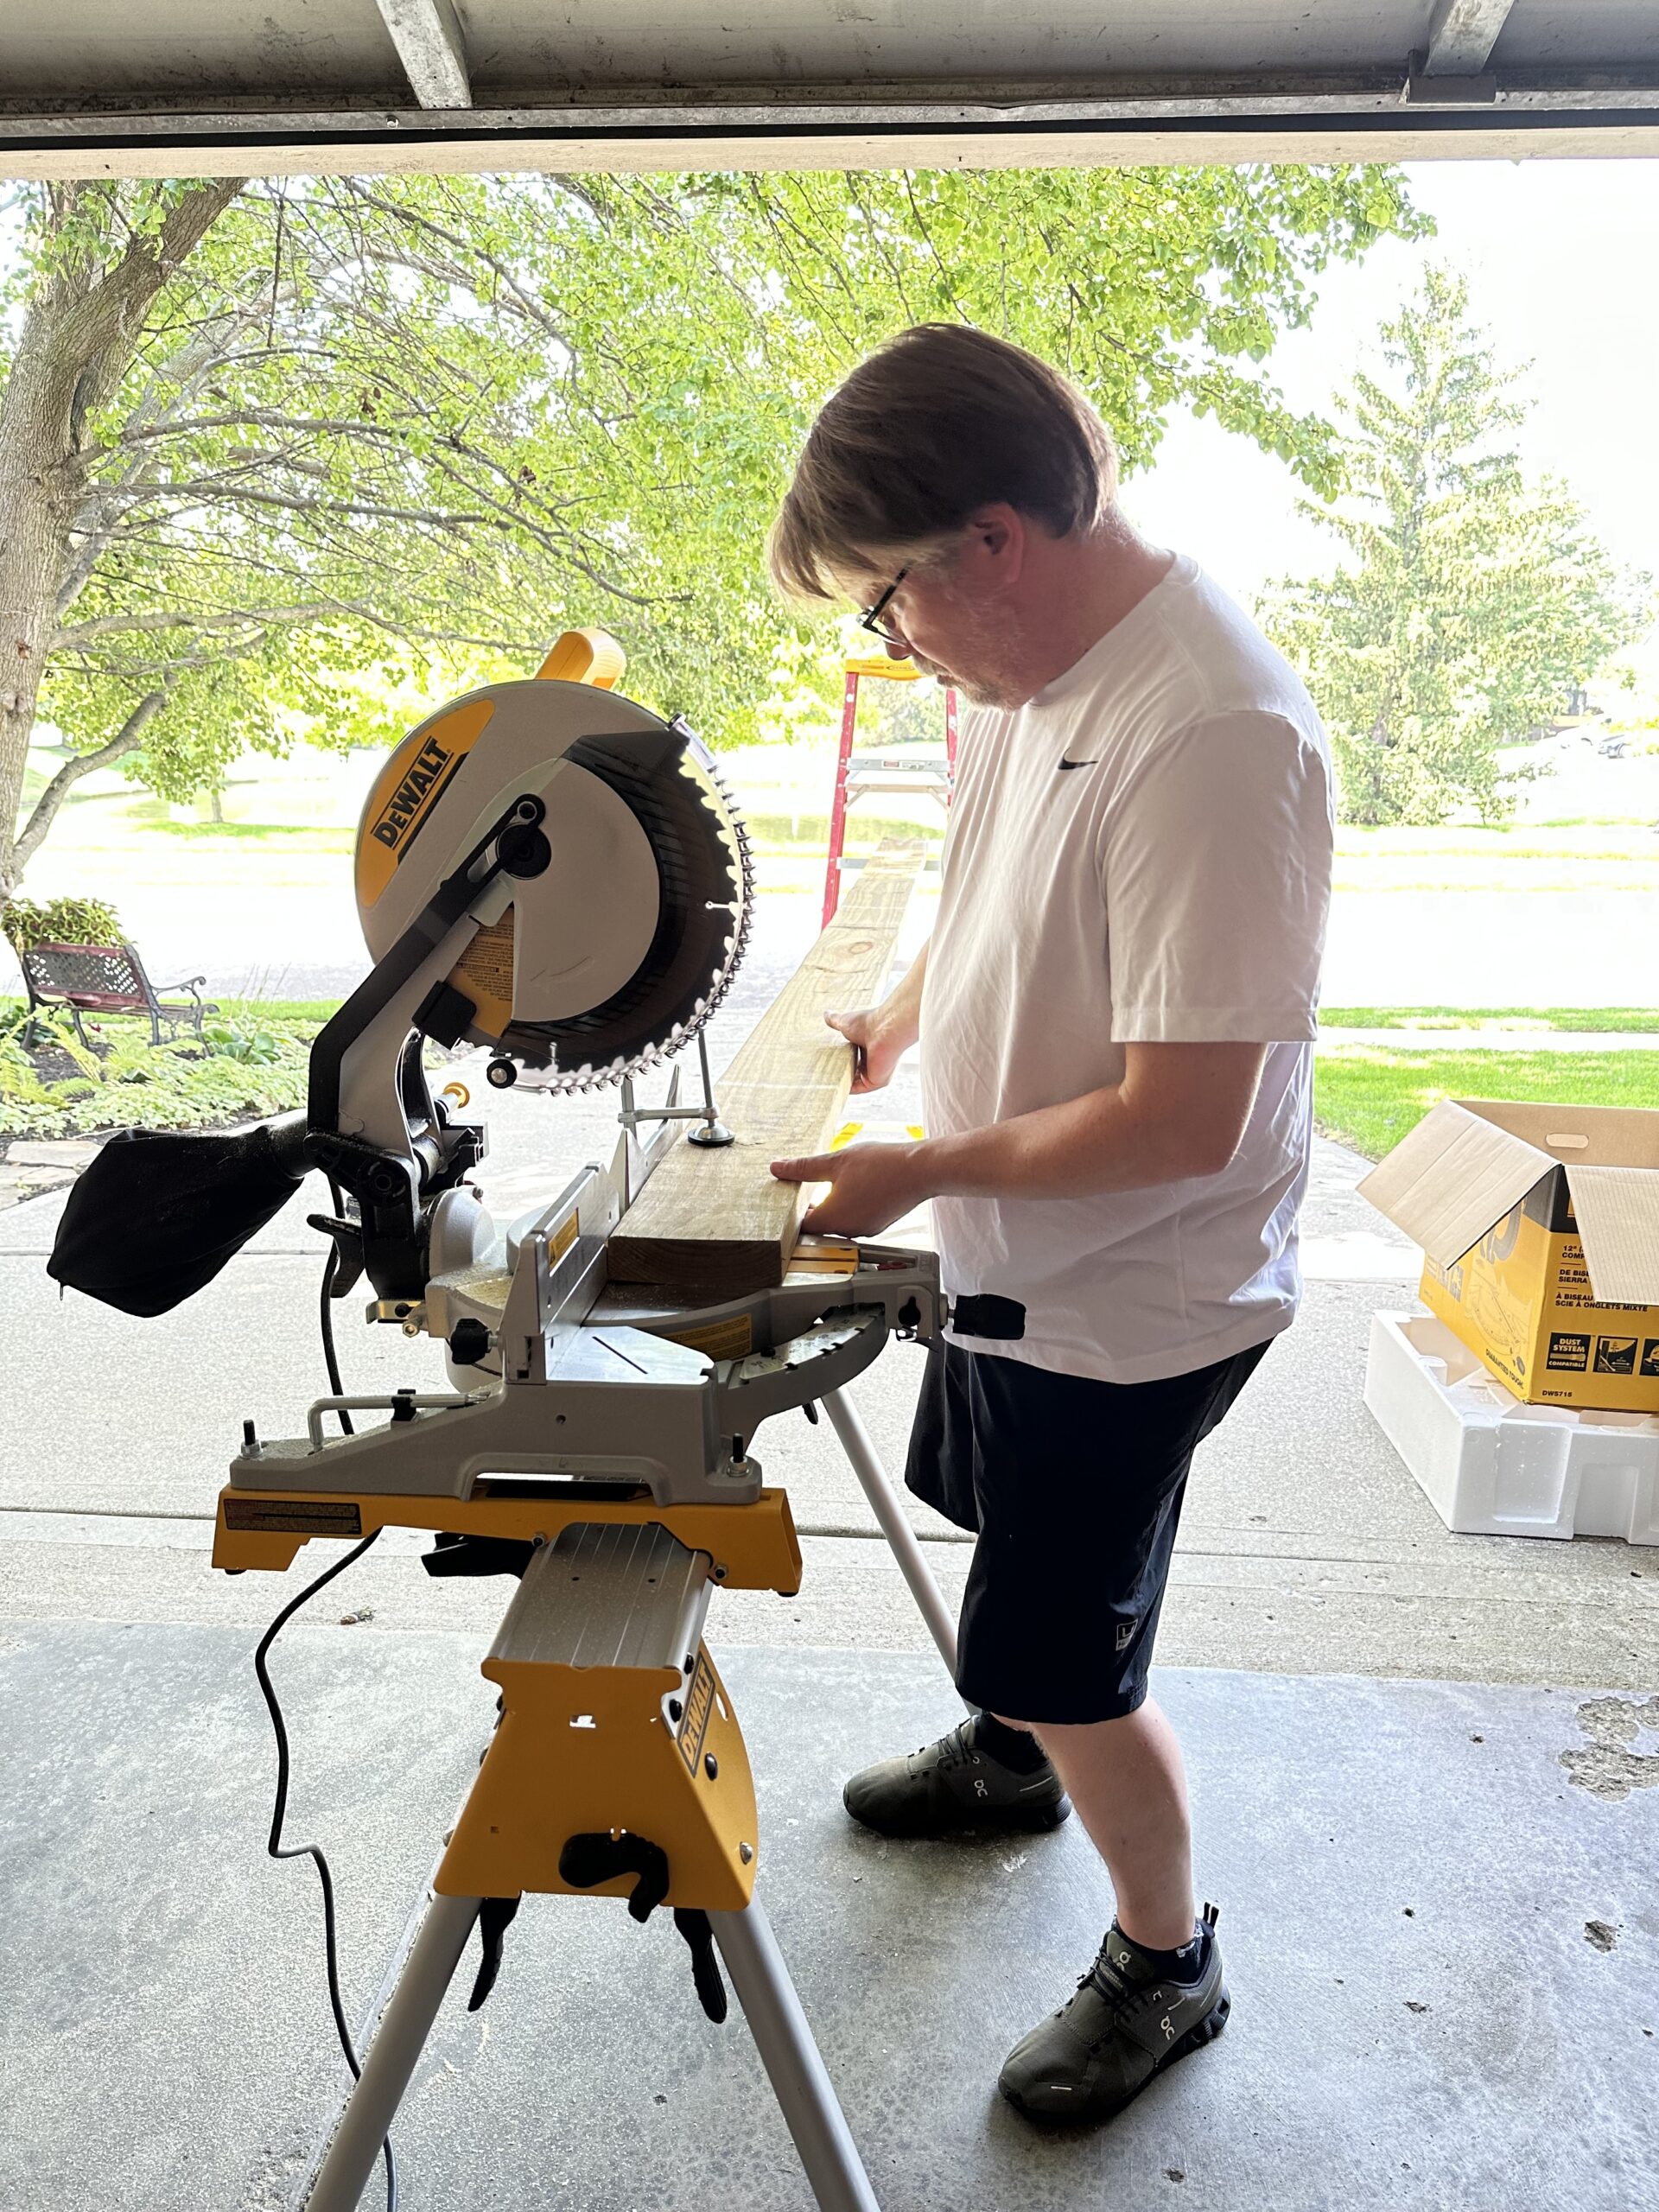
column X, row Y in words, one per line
column 548, row 870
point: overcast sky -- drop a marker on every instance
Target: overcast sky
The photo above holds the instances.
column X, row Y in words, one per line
column 1562, row 258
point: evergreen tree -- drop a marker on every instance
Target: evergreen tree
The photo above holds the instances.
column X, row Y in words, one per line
column 1472, row 601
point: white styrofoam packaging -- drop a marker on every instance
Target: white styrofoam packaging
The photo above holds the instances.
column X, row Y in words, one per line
column 1493, row 1466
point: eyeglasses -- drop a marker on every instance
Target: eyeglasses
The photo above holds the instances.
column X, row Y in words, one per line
column 870, row 619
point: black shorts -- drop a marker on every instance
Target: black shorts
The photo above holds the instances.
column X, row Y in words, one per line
column 1073, row 1488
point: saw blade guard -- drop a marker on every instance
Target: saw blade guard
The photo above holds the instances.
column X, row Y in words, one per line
column 616, row 954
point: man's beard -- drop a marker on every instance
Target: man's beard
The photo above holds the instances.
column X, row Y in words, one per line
column 993, row 682
column 990, row 691
column 985, row 689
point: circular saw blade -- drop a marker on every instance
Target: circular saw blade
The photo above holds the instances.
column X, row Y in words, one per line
column 674, row 944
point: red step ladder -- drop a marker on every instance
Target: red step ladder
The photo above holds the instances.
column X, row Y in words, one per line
column 894, row 768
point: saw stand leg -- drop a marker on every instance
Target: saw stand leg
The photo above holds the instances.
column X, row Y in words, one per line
column 399, row 2039
column 895, row 1523
column 806, row 2095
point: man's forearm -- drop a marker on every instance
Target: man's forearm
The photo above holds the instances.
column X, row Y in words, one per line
column 1179, row 1112
column 1168, row 1121
column 901, row 1010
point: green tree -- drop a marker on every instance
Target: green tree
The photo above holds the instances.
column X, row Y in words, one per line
column 1471, row 600
column 261, row 440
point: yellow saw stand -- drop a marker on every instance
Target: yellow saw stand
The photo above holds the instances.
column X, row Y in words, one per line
column 617, row 1767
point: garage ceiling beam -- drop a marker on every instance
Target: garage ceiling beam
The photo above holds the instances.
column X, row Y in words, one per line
column 1461, row 36
column 427, row 36
column 1264, row 115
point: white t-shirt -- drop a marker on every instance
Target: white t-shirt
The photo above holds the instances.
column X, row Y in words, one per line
column 1140, row 853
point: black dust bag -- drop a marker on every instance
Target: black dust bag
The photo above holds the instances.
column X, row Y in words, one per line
column 158, row 1213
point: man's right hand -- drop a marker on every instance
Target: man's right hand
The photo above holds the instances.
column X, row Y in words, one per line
column 877, row 1047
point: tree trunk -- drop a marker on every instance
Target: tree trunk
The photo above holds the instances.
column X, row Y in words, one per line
column 34, row 547
column 74, row 348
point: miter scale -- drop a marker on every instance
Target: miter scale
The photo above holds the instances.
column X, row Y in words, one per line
column 552, row 872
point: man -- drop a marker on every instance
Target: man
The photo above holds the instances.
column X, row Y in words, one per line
column 1114, row 1014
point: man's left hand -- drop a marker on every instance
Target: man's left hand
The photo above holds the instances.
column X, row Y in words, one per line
column 872, row 1185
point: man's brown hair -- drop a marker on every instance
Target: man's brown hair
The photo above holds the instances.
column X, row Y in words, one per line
column 942, row 420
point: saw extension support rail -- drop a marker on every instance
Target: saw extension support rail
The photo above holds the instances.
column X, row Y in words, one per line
column 713, row 1132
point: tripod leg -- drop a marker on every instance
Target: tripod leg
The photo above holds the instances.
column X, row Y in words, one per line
column 806, row 2095
column 393, row 2057
column 895, row 1525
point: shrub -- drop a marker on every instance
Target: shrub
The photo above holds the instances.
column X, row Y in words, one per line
column 236, row 1037
column 60, row 921
column 128, row 1082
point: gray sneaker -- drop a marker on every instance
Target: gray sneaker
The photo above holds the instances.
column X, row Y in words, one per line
column 1124, row 2025
column 952, row 1788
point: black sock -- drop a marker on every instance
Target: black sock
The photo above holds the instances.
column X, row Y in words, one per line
column 1185, row 1964
column 1016, row 1749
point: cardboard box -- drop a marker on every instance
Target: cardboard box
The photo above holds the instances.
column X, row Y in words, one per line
column 1539, row 1229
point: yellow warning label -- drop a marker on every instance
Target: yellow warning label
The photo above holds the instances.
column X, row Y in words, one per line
column 823, row 1256
column 733, row 1338
column 848, row 1130
column 562, row 1238
column 485, row 972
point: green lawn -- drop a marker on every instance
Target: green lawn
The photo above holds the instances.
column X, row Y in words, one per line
column 282, row 1009
column 1365, row 1096
column 256, row 1010
column 1630, row 1019
column 1370, row 1096
column 302, row 836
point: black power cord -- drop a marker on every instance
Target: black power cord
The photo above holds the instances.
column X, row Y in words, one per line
column 274, row 1844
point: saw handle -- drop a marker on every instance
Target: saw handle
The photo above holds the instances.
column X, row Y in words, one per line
column 999, row 1320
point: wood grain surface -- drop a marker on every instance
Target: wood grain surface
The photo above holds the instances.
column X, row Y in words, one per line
column 717, row 1220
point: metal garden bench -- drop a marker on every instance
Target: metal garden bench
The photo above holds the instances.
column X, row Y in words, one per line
column 106, row 979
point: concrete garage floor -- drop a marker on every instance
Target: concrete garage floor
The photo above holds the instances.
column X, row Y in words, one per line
column 1441, row 1953
column 1332, row 1653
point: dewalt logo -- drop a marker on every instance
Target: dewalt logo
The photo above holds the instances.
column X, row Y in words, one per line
column 403, row 809
column 409, row 791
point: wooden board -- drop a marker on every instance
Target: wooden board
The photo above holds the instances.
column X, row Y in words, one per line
column 717, row 1220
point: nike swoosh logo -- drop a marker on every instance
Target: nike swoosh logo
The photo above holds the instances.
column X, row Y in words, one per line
column 1063, row 765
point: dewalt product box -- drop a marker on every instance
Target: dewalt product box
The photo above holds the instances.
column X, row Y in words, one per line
column 1540, row 1230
